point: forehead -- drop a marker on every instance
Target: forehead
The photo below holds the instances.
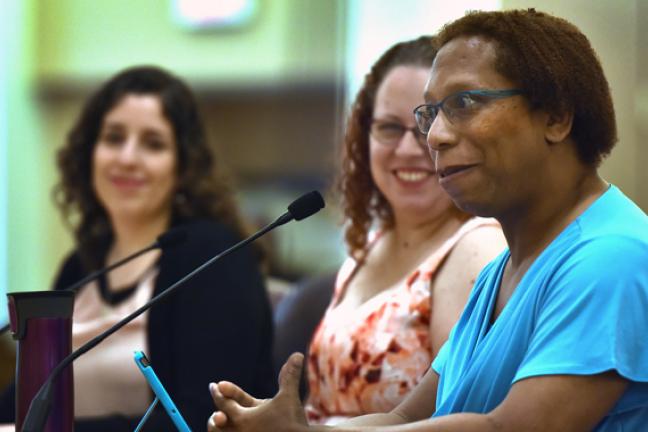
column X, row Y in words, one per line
column 138, row 110
column 401, row 89
column 464, row 63
column 147, row 104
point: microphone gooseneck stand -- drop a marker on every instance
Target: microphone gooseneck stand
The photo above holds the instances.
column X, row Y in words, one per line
column 170, row 238
column 36, row 417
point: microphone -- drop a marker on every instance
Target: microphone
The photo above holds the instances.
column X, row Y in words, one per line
column 300, row 209
column 171, row 238
column 303, row 207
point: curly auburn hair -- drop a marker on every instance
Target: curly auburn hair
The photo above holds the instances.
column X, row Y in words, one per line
column 361, row 200
column 554, row 63
column 201, row 192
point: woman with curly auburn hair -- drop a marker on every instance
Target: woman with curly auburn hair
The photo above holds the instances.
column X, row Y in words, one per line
column 413, row 254
column 136, row 164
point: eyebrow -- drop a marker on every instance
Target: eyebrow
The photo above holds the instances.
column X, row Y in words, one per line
column 387, row 117
column 147, row 131
column 456, row 87
column 111, row 126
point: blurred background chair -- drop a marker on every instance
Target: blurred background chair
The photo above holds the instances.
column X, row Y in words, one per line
column 297, row 315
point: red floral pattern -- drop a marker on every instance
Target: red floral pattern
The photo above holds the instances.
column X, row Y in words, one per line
column 366, row 360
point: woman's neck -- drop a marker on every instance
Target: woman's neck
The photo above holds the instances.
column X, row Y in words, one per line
column 409, row 233
column 131, row 236
column 529, row 234
column 398, row 252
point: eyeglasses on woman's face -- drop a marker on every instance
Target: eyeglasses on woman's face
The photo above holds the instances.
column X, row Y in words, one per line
column 390, row 132
column 458, row 106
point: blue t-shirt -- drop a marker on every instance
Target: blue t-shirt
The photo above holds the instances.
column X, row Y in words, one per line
column 580, row 309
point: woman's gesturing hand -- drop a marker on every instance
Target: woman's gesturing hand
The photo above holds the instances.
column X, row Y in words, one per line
column 240, row 412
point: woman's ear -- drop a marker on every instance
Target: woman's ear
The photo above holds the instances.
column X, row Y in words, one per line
column 559, row 126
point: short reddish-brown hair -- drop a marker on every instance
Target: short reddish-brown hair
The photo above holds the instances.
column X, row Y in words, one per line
column 554, row 63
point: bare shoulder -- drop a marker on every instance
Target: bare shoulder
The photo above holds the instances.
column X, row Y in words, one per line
column 472, row 252
column 482, row 243
column 451, row 287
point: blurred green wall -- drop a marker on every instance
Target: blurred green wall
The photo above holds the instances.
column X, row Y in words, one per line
column 287, row 39
column 27, row 202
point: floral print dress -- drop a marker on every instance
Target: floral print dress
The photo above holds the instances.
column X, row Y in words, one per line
column 369, row 360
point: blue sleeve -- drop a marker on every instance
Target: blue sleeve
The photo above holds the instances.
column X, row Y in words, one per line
column 592, row 316
column 440, row 360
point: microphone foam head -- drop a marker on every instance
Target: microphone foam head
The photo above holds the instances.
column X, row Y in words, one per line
column 306, row 205
column 173, row 237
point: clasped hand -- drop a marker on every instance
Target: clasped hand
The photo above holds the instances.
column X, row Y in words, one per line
column 238, row 411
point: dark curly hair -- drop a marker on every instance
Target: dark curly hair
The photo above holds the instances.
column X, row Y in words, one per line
column 555, row 65
column 201, row 191
column 361, row 200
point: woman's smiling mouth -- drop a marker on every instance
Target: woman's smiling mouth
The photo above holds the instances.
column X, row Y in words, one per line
column 411, row 175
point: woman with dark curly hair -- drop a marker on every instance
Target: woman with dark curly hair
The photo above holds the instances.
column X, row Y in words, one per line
column 137, row 163
column 413, row 255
